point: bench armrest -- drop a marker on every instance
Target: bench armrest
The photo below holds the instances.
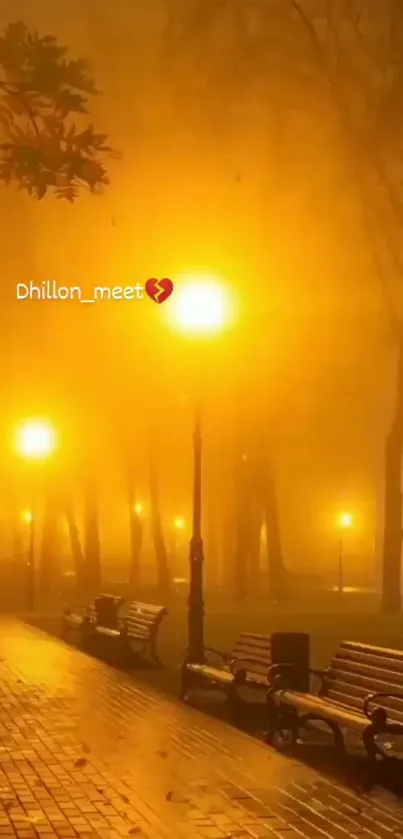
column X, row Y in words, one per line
column 320, row 674
column 275, row 671
column 83, row 611
column 225, row 657
column 372, row 697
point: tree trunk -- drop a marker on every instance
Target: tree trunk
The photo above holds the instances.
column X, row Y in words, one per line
column 49, row 571
column 241, row 556
column 212, row 561
column 277, row 571
column 228, row 548
column 392, row 539
column 136, row 537
column 92, row 543
column 254, row 546
column 161, row 556
column 76, row 547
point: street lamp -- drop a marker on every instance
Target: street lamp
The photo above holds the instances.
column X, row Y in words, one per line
column 345, row 522
column 35, row 440
column 179, row 523
column 199, row 307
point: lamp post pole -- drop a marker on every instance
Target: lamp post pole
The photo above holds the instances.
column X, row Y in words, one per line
column 196, row 554
column 31, row 563
column 341, row 585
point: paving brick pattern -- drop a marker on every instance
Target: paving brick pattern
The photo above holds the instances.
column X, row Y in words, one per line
column 86, row 751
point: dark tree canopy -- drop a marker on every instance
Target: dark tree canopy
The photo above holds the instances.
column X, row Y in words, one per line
column 43, row 150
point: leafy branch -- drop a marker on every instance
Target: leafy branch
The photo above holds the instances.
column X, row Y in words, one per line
column 41, row 91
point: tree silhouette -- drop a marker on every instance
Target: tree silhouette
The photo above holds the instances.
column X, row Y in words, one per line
column 43, row 150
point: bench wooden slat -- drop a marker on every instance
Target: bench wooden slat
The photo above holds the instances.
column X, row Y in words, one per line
column 144, row 608
column 213, row 674
column 139, row 620
column 371, row 649
column 394, row 665
column 141, row 624
column 367, row 670
column 253, row 653
column 394, row 707
column 136, row 632
column 107, row 631
column 364, row 684
column 312, row 704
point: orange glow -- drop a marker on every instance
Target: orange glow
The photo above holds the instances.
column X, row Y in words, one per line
column 27, row 516
column 179, row 523
column 35, row 439
column 138, row 508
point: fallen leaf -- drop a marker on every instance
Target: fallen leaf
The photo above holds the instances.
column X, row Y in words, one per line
column 82, row 761
column 169, row 795
column 134, row 830
column 101, row 792
column 125, row 799
column 162, row 754
column 8, row 805
column 86, row 749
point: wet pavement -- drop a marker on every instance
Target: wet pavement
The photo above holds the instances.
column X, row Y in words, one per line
column 88, row 751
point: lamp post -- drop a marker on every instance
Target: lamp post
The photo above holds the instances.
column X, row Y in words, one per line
column 345, row 522
column 199, row 308
column 35, row 440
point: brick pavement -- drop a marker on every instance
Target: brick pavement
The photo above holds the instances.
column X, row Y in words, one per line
column 86, row 751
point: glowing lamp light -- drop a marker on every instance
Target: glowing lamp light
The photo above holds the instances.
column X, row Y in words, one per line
column 35, row 439
column 200, row 305
column 27, row 516
column 138, row 508
column 346, row 520
column 179, row 523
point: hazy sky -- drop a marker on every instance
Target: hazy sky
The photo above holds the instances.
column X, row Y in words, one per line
column 256, row 195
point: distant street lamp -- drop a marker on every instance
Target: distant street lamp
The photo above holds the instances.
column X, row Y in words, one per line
column 179, row 523
column 199, row 307
column 35, row 440
column 345, row 522
column 138, row 509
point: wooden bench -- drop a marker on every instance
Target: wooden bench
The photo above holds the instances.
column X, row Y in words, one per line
column 135, row 633
column 79, row 622
column 362, row 690
column 249, row 664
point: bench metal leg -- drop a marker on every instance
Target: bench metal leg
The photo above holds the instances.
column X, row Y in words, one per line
column 154, row 652
column 334, row 728
column 235, row 703
column 282, row 724
column 186, row 682
column 375, row 766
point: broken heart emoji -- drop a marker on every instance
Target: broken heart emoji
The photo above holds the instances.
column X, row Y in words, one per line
column 159, row 290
